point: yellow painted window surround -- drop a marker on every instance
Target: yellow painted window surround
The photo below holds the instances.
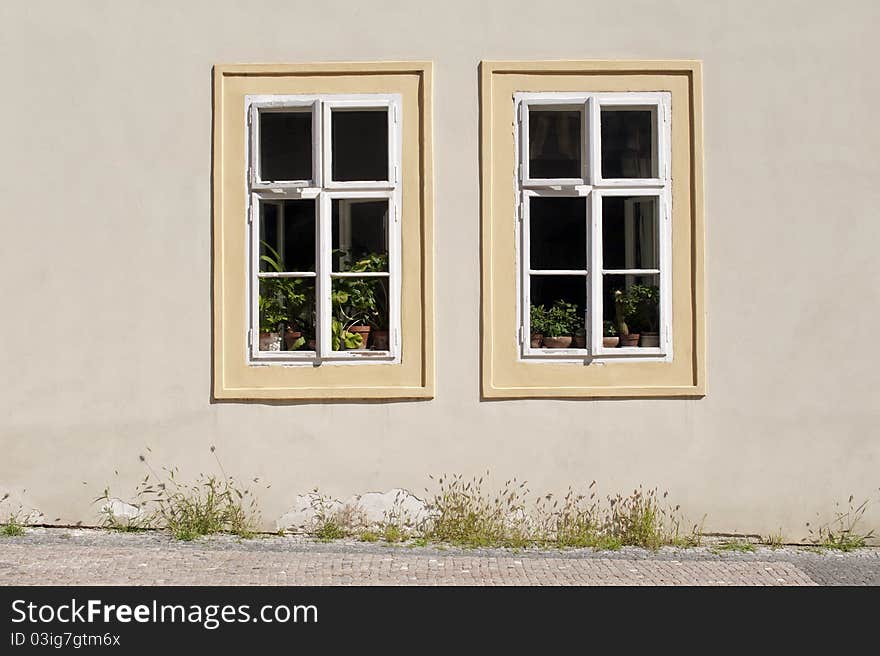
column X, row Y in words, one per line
column 511, row 367
column 240, row 369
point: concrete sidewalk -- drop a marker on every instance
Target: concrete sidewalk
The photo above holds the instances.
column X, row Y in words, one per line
column 94, row 557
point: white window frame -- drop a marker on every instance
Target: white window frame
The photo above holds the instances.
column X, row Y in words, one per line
column 323, row 190
column 594, row 187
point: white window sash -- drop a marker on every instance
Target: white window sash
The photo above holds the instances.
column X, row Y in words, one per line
column 267, row 191
column 594, row 187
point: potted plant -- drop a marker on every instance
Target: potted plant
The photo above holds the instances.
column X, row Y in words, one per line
column 647, row 303
column 271, row 316
column 360, row 305
column 560, row 322
column 376, row 315
column 296, row 300
column 624, row 311
column 537, row 315
column 300, row 313
column 609, row 335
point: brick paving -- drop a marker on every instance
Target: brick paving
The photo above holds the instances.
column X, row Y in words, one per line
column 90, row 557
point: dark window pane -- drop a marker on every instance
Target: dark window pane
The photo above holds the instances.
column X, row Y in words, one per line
column 287, row 309
column 360, row 307
column 627, row 143
column 360, row 235
column 287, row 228
column 547, row 291
column 285, row 146
column 558, row 232
column 639, row 306
column 359, row 144
column 629, row 232
column 554, row 144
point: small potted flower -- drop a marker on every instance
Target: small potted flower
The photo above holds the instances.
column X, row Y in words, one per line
column 609, row 335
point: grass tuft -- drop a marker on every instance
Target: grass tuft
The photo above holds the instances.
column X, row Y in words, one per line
column 738, row 546
column 189, row 510
column 13, row 526
column 842, row 533
column 464, row 514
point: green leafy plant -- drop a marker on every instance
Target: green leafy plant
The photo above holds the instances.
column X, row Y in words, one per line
column 537, row 319
column 561, row 319
column 359, row 301
column 285, row 300
column 271, row 307
column 646, row 299
column 636, row 308
column 608, row 329
column 341, row 336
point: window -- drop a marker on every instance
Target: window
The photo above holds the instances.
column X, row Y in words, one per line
column 592, row 243
column 593, row 186
column 324, row 217
column 323, row 232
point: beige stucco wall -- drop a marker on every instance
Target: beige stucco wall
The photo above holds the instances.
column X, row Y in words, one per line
column 105, row 265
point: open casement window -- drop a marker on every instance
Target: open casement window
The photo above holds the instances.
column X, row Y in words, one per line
column 324, row 229
column 592, row 242
column 594, row 204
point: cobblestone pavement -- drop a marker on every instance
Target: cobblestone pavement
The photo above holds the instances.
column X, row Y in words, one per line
column 93, row 557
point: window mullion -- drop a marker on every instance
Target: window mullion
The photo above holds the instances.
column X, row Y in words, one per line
column 596, row 310
column 594, row 234
column 323, row 280
column 594, row 165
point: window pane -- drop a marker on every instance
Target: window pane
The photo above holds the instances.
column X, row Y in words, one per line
column 629, row 232
column 558, row 232
column 632, row 304
column 286, row 145
column 359, row 144
column 287, row 235
column 554, row 143
column 558, row 306
column 628, row 143
column 360, row 314
column 360, row 235
column 287, row 314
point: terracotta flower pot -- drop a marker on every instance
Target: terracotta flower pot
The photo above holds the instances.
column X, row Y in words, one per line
column 580, row 341
column 536, row 340
column 649, row 340
column 270, row 341
column 611, row 342
column 557, row 342
column 629, row 340
column 363, row 331
column 380, row 340
column 290, row 337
